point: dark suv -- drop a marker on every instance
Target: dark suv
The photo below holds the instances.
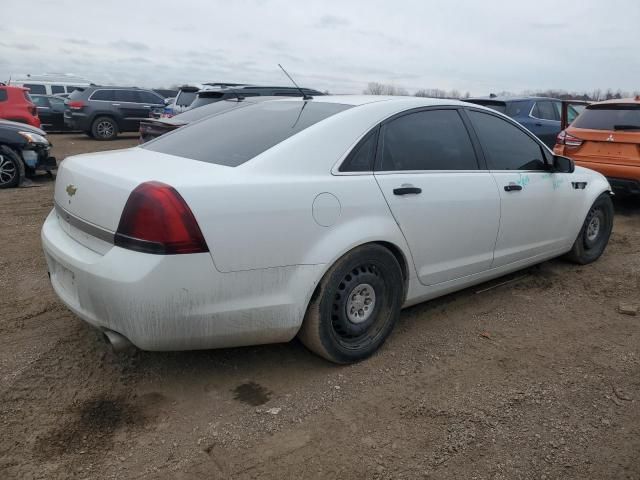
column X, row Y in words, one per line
column 540, row 115
column 217, row 92
column 103, row 112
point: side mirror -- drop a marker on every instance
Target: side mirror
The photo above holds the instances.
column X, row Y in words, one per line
column 563, row 164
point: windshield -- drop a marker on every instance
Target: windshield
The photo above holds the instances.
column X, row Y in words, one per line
column 609, row 117
column 241, row 134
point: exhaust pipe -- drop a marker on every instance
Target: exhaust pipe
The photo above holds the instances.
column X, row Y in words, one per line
column 118, row 342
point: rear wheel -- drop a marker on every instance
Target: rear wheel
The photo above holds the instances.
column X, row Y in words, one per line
column 104, row 128
column 355, row 306
column 10, row 168
column 595, row 232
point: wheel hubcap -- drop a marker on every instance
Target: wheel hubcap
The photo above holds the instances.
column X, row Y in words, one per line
column 105, row 129
column 7, row 170
column 361, row 303
column 593, row 229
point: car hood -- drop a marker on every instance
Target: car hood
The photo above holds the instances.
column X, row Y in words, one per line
column 20, row 127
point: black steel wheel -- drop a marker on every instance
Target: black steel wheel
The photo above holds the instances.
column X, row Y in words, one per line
column 355, row 306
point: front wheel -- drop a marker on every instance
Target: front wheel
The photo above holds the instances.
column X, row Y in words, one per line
column 355, row 306
column 595, row 232
column 10, row 168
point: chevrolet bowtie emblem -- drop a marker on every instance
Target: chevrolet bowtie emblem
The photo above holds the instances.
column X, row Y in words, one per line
column 71, row 190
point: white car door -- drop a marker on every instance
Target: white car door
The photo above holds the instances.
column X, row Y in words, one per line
column 537, row 204
column 447, row 207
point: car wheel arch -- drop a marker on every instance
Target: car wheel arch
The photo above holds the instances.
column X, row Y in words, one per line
column 399, row 254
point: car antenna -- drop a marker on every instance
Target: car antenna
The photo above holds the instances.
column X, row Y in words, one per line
column 305, row 96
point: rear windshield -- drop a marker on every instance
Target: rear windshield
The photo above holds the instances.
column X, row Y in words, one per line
column 206, row 99
column 498, row 106
column 186, row 98
column 219, row 107
column 239, row 135
column 609, row 117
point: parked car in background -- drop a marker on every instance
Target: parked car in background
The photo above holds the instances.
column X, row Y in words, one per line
column 319, row 218
column 153, row 128
column 23, row 150
column 51, row 112
column 183, row 99
column 222, row 92
column 16, row 105
column 606, row 137
column 51, row 83
column 103, row 112
column 540, row 115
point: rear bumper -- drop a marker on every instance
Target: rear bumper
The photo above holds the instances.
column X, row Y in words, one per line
column 174, row 302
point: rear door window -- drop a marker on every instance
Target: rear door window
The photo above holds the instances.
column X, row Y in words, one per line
column 129, row 96
column 362, row 156
column 152, row 98
column 544, row 111
column 35, row 88
column 104, row 95
column 241, row 134
column 426, row 140
column 609, row 117
column 505, row 145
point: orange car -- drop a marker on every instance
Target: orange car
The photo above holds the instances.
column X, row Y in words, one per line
column 606, row 137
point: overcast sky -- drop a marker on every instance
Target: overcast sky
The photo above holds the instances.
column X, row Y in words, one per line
column 477, row 46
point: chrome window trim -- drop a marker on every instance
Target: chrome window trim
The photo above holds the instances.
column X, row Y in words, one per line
column 84, row 226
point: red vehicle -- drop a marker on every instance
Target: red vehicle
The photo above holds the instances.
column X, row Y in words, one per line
column 16, row 105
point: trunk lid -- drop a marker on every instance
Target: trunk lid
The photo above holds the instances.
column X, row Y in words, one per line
column 95, row 187
column 617, row 147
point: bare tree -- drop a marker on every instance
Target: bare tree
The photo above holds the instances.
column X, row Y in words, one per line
column 375, row 88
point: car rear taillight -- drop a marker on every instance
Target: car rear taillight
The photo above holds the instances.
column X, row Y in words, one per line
column 564, row 138
column 156, row 219
column 75, row 104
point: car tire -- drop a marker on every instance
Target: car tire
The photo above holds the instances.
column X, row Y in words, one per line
column 89, row 134
column 104, row 128
column 11, row 168
column 355, row 306
column 595, row 232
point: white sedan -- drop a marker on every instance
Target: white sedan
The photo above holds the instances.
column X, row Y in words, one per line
column 319, row 218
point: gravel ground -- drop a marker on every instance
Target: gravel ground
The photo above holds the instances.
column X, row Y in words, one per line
column 538, row 378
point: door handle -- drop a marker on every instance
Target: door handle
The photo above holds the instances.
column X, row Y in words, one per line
column 512, row 187
column 406, row 190
column 146, row 106
column 538, row 124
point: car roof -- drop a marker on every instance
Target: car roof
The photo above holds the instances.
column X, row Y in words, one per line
column 356, row 100
column 619, row 101
column 111, row 87
column 508, row 99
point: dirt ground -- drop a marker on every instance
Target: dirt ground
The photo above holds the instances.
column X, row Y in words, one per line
column 538, row 378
